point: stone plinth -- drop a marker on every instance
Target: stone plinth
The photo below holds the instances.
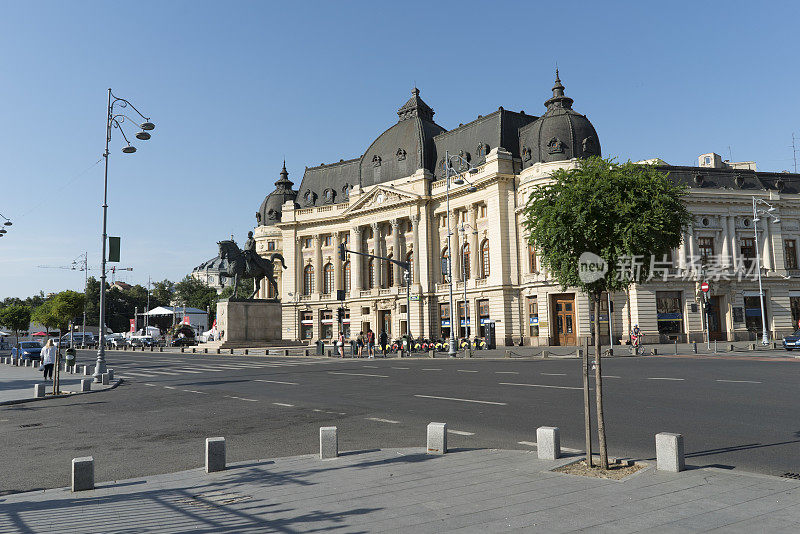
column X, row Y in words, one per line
column 249, row 322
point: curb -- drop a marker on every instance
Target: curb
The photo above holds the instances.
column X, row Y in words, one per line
column 116, row 383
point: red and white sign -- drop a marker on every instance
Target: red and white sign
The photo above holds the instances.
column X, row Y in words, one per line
column 704, row 287
column 186, row 320
column 133, row 326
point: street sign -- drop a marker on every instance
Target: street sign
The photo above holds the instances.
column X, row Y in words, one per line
column 414, row 297
column 704, row 287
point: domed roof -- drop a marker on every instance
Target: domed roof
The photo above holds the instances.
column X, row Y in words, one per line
column 214, row 264
column 560, row 134
column 405, row 147
column 270, row 211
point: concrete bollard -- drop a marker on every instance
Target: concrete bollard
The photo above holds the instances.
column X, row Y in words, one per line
column 193, row 350
column 328, row 443
column 432, row 353
column 104, row 379
column 183, row 349
column 307, row 352
column 669, row 452
column 437, row 438
column 545, row 354
column 752, row 346
column 328, row 353
column 285, row 352
column 266, row 352
column 548, row 442
column 110, row 374
column 215, row 454
column 87, row 371
column 694, row 347
column 86, row 385
column 231, row 351
column 82, row 473
column 39, row 390
column 579, row 353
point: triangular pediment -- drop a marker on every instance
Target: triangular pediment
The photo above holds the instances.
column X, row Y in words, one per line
column 381, row 197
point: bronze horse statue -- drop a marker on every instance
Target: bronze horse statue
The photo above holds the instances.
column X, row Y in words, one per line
column 248, row 264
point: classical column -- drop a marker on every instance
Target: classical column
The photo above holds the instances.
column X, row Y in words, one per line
column 356, row 262
column 416, row 274
column 298, row 286
column 732, row 236
column 766, row 249
column 692, row 251
column 318, row 264
column 682, row 253
column 338, row 282
column 397, row 253
column 726, row 248
column 455, row 254
column 473, row 241
column 376, row 249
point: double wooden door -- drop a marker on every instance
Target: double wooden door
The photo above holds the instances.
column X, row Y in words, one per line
column 564, row 326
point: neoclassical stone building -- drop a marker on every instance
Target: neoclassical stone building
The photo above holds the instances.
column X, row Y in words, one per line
column 391, row 202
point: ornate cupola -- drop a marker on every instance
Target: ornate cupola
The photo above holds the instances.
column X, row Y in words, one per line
column 415, row 107
column 270, row 211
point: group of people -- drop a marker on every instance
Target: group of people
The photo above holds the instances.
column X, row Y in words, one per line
column 366, row 341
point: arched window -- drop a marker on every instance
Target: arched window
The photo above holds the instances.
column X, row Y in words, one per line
column 465, row 260
column 308, row 280
column 346, row 270
column 485, row 259
column 371, row 274
column 389, row 272
column 410, row 260
column 327, row 279
column 445, row 255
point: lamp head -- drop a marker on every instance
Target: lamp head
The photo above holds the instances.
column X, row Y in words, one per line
column 771, row 209
column 148, row 126
column 144, row 136
column 472, row 189
column 473, row 170
column 7, row 223
column 756, row 219
column 129, row 149
column 458, row 181
column 777, row 220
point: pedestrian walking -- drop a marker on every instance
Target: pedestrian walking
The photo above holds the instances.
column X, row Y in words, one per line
column 360, row 344
column 341, row 345
column 48, row 359
column 370, row 344
column 384, row 342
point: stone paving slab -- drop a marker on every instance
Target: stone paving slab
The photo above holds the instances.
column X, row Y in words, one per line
column 404, row 490
column 16, row 383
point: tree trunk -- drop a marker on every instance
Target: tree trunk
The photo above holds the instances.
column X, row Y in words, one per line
column 598, row 383
column 587, row 407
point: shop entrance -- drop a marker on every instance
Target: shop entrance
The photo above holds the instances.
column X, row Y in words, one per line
column 563, row 307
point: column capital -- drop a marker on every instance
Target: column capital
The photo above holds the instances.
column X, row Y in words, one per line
column 357, row 230
column 395, row 223
column 414, row 219
column 374, row 226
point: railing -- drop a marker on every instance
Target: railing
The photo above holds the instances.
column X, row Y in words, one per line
column 366, row 292
column 442, row 286
column 305, row 211
column 305, row 297
column 386, row 291
column 480, row 282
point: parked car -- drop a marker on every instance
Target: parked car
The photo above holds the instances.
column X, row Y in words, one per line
column 792, row 341
column 142, row 341
column 29, row 350
column 78, row 338
column 184, row 342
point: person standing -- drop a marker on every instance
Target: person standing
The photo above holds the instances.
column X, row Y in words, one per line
column 360, row 344
column 341, row 344
column 48, row 359
column 384, row 342
column 370, row 344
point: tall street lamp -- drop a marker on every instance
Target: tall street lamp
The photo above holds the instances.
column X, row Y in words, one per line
column 113, row 120
column 467, row 320
column 457, row 181
column 759, row 212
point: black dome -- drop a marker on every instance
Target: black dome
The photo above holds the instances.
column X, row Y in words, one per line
column 270, row 211
column 560, row 134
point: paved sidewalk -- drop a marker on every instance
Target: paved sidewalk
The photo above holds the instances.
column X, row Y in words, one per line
column 16, row 383
column 404, row 490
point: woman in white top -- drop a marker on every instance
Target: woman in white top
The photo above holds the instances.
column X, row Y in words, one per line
column 48, row 358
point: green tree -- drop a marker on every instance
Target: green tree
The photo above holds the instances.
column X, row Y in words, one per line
column 17, row 317
column 162, row 293
column 67, row 306
column 614, row 212
column 47, row 315
column 192, row 292
column 92, row 301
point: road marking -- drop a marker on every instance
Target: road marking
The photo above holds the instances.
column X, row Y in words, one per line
column 193, row 391
column 741, row 381
column 404, row 368
column 143, row 375
column 379, row 420
column 356, row 374
column 611, row 376
column 317, row 410
column 149, row 384
column 427, row 369
column 461, row 400
column 465, row 371
column 461, row 432
column 169, row 387
column 240, row 398
column 665, row 378
column 370, row 366
column 283, row 404
column 278, row 382
column 528, row 443
column 506, row 373
column 537, row 385
column 189, row 371
column 160, row 372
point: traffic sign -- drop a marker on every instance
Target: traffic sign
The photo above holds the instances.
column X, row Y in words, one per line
column 704, row 287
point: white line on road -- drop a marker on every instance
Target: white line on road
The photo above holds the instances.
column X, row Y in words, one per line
column 370, row 366
column 169, row 387
column 356, row 374
column 283, row 404
column 429, row 369
column 537, row 385
column 461, row 432
column 240, row 398
column 379, row 420
column 554, row 374
column 611, row 376
column 149, row 384
column 506, row 373
column 278, row 382
column 528, row 443
column 741, row 381
column 665, row 378
column 461, row 400
column 193, row 391
column 404, row 368
column 465, row 371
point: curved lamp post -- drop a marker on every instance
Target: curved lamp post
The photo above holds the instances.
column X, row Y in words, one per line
column 759, row 212
column 457, row 181
column 7, row 222
column 113, row 120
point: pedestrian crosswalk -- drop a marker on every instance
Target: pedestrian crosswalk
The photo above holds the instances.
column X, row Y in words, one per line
column 144, row 370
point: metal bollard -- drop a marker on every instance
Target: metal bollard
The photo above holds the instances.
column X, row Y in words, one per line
column 694, row 347
column 246, row 352
column 676, row 346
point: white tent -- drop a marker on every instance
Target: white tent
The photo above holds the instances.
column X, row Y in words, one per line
column 197, row 318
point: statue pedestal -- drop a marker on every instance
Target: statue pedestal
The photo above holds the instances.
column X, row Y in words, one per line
column 249, row 323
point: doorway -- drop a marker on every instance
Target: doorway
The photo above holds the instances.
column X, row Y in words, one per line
column 715, row 329
column 385, row 322
column 563, row 307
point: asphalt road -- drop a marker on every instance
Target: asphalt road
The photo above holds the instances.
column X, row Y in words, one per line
column 733, row 412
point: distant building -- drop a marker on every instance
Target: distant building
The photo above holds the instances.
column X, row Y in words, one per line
column 208, row 273
column 122, row 286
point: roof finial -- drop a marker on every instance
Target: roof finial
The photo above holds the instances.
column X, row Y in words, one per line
column 415, row 91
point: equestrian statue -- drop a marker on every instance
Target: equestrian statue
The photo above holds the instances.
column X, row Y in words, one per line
column 247, row 263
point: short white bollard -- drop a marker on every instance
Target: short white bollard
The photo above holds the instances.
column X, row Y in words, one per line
column 328, row 443
column 104, row 379
column 87, row 371
column 38, row 390
column 437, row 438
column 548, row 443
column 215, row 454
column 82, row 473
column 669, row 452
column 86, row 385
column 110, row 374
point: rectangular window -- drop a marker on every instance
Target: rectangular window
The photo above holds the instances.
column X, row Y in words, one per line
column 531, row 259
column 706, row 246
column 669, row 312
column 482, row 211
column 444, row 319
column 533, row 317
column 464, row 322
column 790, row 253
column 270, row 245
column 326, row 324
column 306, row 242
column 483, row 317
column 328, row 240
column 748, row 250
column 306, row 325
column 346, row 239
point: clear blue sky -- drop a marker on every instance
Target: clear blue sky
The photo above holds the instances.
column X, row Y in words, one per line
column 234, row 87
